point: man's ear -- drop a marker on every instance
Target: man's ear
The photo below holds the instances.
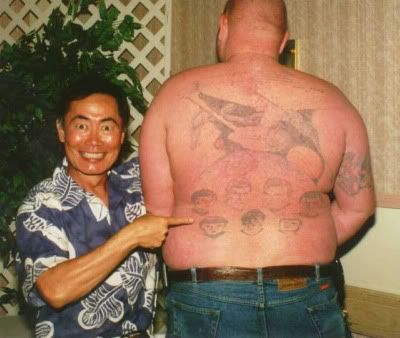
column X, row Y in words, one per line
column 123, row 137
column 60, row 131
column 284, row 41
column 223, row 28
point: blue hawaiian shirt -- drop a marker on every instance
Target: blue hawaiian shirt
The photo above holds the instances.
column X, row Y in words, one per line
column 58, row 221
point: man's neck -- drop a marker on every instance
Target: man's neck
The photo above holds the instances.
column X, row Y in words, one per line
column 95, row 184
column 252, row 56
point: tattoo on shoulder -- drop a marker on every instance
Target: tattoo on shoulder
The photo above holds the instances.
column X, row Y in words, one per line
column 355, row 174
column 366, row 180
column 305, row 144
column 238, row 114
column 213, row 226
column 242, row 127
column 252, row 222
column 207, row 116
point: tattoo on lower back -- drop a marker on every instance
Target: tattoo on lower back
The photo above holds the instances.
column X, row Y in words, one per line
column 213, row 226
column 355, row 174
column 202, row 200
column 252, row 222
column 276, row 194
column 236, row 194
column 289, row 225
column 313, row 203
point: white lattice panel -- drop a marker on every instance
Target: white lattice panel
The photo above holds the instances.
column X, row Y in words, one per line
column 8, row 279
column 148, row 53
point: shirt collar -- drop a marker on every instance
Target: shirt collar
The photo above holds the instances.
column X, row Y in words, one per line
column 65, row 184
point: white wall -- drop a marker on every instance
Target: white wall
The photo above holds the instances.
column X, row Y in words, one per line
column 374, row 263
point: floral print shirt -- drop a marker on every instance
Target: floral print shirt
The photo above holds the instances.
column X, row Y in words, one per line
column 59, row 221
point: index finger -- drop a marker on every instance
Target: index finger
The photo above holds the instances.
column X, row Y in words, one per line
column 175, row 221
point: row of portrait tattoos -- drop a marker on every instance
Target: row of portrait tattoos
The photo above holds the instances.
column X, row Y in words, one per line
column 253, row 221
column 265, row 171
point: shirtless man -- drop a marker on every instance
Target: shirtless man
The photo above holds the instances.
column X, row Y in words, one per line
column 268, row 143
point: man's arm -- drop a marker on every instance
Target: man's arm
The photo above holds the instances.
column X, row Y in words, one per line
column 354, row 187
column 157, row 181
column 73, row 279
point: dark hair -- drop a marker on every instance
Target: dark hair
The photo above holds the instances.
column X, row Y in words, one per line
column 252, row 215
column 87, row 85
column 203, row 193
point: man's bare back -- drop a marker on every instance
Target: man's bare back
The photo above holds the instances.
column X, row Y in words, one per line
column 273, row 165
column 253, row 165
column 251, row 149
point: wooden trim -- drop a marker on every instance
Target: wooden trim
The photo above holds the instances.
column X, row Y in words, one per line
column 373, row 313
column 385, row 200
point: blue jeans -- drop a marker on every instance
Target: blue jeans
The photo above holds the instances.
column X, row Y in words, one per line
column 226, row 309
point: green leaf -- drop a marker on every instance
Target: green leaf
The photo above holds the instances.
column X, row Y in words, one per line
column 6, row 53
column 102, row 10
column 72, row 8
column 112, row 14
column 127, row 28
column 84, row 5
column 112, row 44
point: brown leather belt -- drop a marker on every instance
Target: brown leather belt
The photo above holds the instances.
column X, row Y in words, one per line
column 243, row 274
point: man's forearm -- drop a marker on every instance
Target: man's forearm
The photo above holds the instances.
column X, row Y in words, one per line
column 348, row 221
column 73, row 279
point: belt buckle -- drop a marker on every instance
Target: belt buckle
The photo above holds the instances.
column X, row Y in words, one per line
column 290, row 284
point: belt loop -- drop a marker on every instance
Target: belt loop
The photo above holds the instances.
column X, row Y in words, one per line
column 260, row 276
column 317, row 272
column 194, row 275
column 165, row 274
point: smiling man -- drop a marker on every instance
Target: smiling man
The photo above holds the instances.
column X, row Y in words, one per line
column 83, row 239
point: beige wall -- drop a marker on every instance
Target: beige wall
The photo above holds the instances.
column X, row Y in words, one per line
column 354, row 44
column 194, row 28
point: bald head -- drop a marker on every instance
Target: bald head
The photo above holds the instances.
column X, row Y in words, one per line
column 252, row 26
column 265, row 14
